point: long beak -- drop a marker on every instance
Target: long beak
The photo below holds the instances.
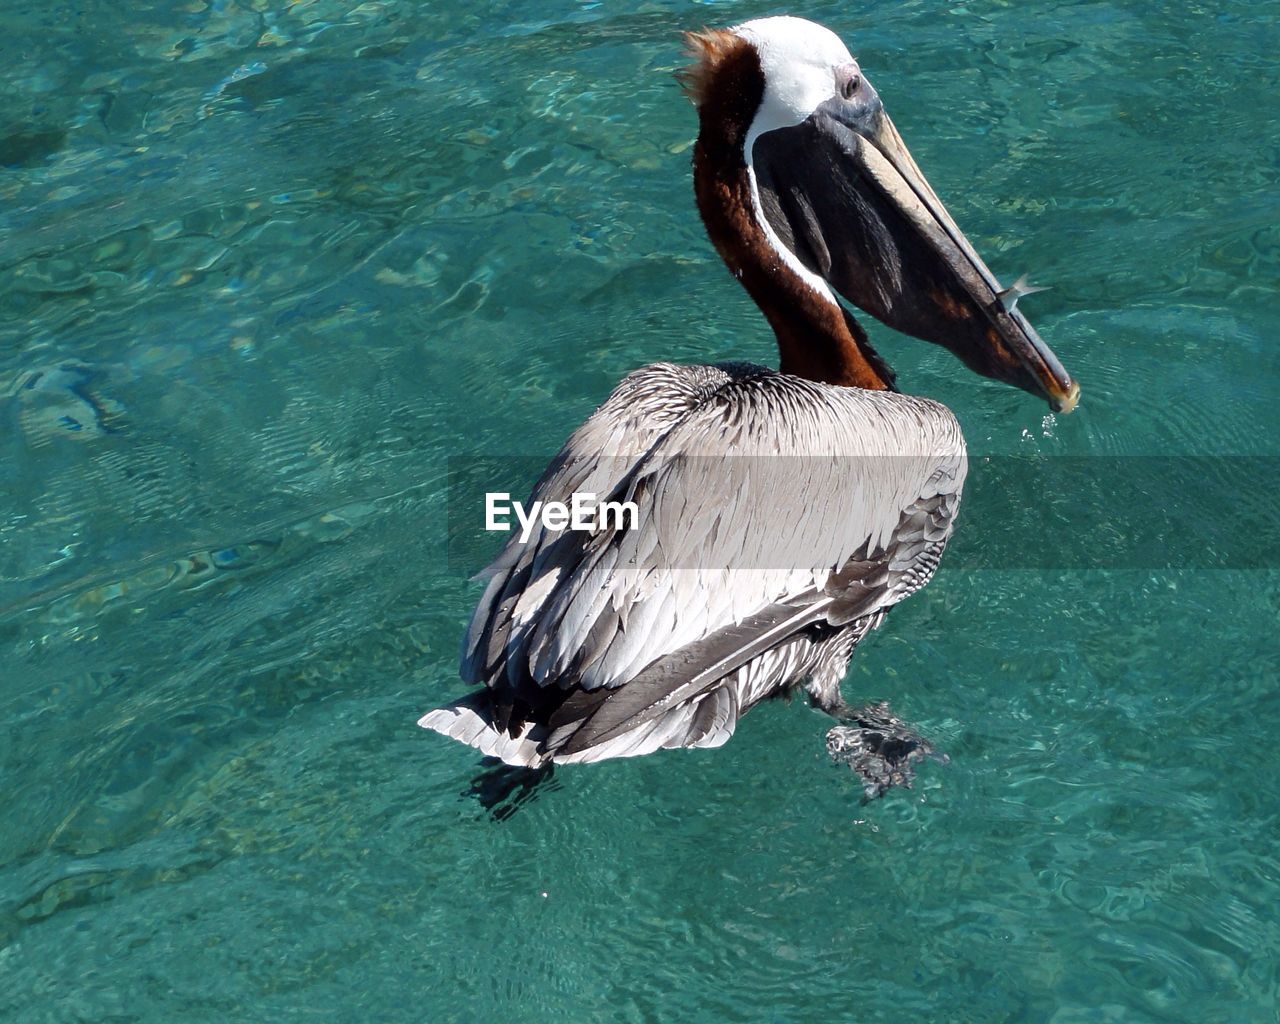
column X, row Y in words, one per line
column 861, row 214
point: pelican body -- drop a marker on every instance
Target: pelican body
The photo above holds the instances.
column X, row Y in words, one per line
column 782, row 512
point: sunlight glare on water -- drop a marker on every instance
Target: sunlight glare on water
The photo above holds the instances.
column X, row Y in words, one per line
column 266, row 266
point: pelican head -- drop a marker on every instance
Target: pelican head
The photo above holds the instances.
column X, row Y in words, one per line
column 807, row 191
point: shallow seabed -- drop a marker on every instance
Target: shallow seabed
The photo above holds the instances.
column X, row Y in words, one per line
column 265, row 266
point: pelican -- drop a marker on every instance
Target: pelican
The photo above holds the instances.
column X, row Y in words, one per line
column 782, row 512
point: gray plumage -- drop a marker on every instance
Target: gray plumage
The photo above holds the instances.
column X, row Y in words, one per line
column 779, row 520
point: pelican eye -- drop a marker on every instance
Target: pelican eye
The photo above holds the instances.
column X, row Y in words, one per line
column 847, row 82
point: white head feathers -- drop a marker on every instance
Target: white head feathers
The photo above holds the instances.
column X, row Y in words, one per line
column 799, row 60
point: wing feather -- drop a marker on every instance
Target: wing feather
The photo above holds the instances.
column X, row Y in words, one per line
column 768, row 504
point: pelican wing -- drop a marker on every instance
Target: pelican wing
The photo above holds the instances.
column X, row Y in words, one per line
column 767, row 505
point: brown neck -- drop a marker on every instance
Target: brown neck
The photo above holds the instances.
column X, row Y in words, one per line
column 817, row 339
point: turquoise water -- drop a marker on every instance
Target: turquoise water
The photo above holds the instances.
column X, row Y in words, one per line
column 266, row 267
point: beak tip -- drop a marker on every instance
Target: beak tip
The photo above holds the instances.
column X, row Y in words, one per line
column 1066, row 402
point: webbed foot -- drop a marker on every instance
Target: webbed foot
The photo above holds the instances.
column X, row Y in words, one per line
column 880, row 747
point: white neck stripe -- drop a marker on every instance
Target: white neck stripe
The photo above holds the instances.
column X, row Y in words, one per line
column 798, row 60
column 792, row 261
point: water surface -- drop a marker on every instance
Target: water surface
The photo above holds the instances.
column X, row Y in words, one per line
column 266, row 266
